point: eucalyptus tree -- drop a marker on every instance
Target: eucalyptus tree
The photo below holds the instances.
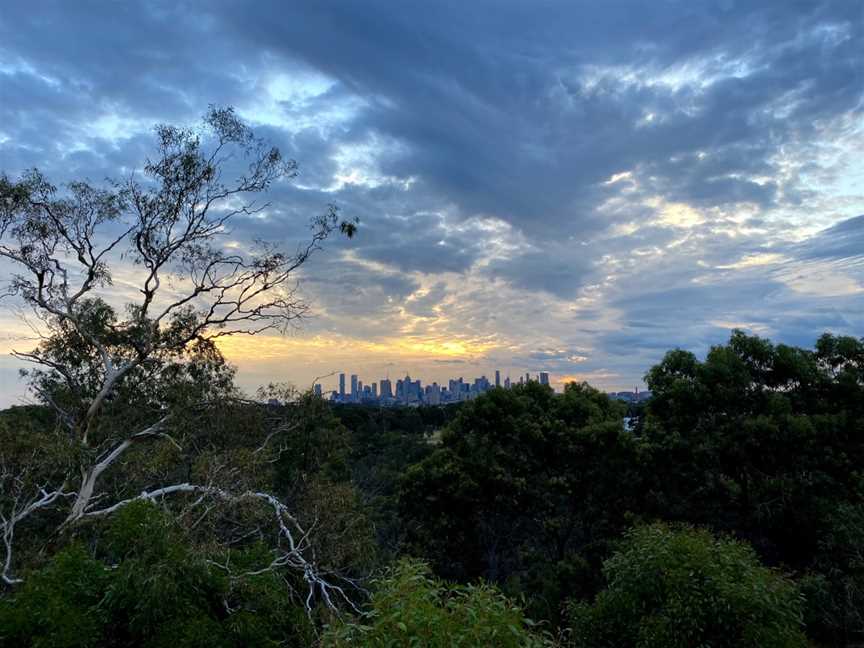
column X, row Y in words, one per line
column 124, row 368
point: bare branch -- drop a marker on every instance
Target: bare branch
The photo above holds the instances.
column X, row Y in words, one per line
column 290, row 531
column 20, row 508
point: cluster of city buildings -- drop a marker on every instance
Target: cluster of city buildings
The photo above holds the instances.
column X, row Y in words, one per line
column 406, row 391
column 634, row 396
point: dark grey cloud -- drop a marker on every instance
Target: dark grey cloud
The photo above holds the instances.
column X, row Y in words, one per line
column 496, row 103
column 689, row 303
column 558, row 361
column 698, row 306
column 507, row 120
column 560, row 274
column 841, row 242
column 424, row 306
column 351, row 298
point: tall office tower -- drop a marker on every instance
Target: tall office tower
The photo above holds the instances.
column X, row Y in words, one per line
column 544, row 378
column 386, row 388
column 497, row 378
column 374, row 391
column 527, row 377
column 355, row 396
column 317, row 389
column 507, row 382
column 342, row 386
column 433, row 394
column 411, row 390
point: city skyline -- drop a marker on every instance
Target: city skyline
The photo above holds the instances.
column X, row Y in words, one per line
column 350, row 388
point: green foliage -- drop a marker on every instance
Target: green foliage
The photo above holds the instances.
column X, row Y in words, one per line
column 523, row 482
column 59, row 606
column 314, row 441
column 30, row 446
column 411, row 608
column 761, row 439
column 834, row 588
column 339, row 526
column 152, row 588
column 758, row 439
column 683, row 588
column 384, row 443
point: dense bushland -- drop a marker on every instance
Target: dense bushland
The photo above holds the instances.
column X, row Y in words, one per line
column 733, row 515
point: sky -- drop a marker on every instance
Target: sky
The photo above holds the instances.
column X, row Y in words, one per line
column 571, row 187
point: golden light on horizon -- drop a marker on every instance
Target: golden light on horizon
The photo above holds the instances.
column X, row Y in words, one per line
column 241, row 348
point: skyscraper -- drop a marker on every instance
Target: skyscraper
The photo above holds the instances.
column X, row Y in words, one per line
column 544, row 378
column 355, row 396
column 317, row 389
column 497, row 378
column 456, row 386
column 386, row 388
column 342, row 386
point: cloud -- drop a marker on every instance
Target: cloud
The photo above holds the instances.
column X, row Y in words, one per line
column 560, row 274
column 596, row 181
column 841, row 242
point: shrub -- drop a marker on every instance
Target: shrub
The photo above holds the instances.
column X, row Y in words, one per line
column 411, row 608
column 155, row 589
column 682, row 587
column 58, row 607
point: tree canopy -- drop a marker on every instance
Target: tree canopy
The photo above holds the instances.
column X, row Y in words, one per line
column 122, row 372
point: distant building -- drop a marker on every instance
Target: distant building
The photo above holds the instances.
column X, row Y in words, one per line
column 410, row 390
column 316, row 389
column 406, row 391
column 386, row 388
column 432, row 394
column 634, row 396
